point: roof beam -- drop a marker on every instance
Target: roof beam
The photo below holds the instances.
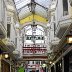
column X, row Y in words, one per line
column 31, row 18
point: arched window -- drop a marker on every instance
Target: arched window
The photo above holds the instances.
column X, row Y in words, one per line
column 36, row 34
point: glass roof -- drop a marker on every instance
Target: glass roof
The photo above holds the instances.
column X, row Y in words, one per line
column 21, row 3
column 33, row 10
column 45, row 3
column 41, row 7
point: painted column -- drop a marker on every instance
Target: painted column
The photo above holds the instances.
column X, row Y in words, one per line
column 55, row 67
column 0, row 62
column 62, row 64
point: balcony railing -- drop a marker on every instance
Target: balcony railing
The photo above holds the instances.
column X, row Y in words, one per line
column 63, row 24
column 10, row 44
column 34, row 50
column 40, row 57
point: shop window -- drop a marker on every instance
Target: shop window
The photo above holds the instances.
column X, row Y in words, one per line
column 59, row 66
column 52, row 69
column 8, row 30
column 65, row 7
column 66, row 63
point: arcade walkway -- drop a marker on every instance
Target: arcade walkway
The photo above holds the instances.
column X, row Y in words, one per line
column 35, row 35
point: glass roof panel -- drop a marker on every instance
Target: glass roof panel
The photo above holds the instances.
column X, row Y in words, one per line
column 16, row 0
column 44, row 3
column 24, row 12
column 40, row 11
column 23, row 9
column 21, row 3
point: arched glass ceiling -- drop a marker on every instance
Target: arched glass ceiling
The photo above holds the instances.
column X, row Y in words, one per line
column 41, row 7
column 45, row 3
column 21, row 3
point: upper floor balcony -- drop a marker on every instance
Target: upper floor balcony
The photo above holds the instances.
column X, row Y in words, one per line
column 54, row 43
column 3, row 30
column 34, row 51
column 16, row 53
column 31, row 58
column 10, row 44
column 63, row 23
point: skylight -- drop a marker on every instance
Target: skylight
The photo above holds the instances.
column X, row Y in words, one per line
column 21, row 3
column 23, row 7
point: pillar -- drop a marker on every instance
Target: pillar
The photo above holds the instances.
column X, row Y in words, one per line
column 62, row 64
column 0, row 62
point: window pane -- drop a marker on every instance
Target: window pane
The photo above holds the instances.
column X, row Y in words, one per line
column 65, row 7
column 21, row 3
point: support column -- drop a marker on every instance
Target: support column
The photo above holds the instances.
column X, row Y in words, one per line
column 10, row 64
column 63, row 64
column 0, row 62
column 54, row 67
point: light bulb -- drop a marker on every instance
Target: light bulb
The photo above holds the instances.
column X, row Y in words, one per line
column 50, row 62
column 70, row 39
column 6, row 55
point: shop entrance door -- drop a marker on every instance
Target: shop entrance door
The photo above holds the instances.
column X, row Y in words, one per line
column 5, row 67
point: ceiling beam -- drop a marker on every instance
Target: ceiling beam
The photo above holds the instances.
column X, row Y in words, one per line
column 31, row 18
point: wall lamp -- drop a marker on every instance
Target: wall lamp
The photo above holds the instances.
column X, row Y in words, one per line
column 50, row 62
column 69, row 39
column 4, row 55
